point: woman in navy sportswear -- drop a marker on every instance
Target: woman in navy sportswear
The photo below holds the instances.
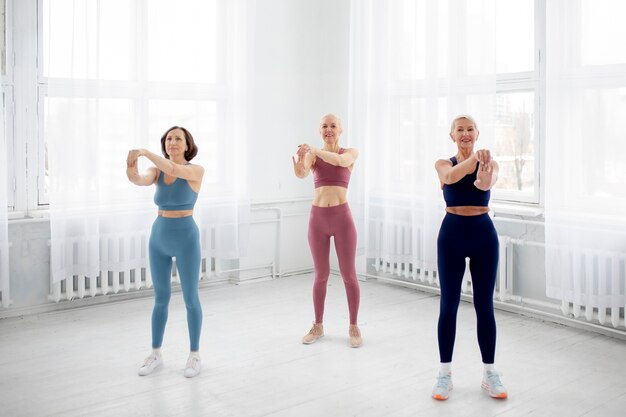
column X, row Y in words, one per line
column 467, row 232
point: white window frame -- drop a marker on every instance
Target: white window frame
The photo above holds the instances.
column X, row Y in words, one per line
column 8, row 105
column 21, row 111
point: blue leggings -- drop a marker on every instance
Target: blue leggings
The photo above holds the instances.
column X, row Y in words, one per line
column 460, row 237
column 177, row 237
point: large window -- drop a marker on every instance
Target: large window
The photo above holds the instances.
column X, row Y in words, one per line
column 137, row 68
column 589, row 86
column 516, row 113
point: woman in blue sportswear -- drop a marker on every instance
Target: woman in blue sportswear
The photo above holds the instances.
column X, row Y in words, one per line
column 467, row 232
column 174, row 234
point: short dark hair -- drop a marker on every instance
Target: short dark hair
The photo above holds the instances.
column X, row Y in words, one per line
column 192, row 149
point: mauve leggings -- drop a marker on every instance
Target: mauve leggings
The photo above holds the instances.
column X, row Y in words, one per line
column 325, row 222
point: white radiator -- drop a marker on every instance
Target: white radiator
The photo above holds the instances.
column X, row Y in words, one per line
column 598, row 275
column 397, row 254
column 595, row 281
column 124, row 266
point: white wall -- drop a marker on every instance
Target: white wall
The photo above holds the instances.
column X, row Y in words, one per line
column 299, row 73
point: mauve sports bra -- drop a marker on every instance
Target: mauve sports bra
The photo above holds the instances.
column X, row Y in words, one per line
column 328, row 174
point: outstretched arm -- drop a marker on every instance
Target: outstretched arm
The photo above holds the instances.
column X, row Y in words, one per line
column 344, row 160
column 187, row 172
column 449, row 174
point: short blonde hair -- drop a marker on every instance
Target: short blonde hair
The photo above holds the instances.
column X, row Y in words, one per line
column 333, row 116
column 460, row 117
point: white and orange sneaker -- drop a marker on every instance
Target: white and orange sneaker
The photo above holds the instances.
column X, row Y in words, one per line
column 493, row 386
column 442, row 388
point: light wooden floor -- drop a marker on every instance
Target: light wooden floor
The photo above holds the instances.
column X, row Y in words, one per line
column 84, row 362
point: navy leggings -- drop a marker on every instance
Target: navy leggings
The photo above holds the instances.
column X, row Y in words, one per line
column 177, row 237
column 472, row 237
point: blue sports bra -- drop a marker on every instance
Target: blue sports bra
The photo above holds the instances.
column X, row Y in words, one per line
column 175, row 196
column 464, row 192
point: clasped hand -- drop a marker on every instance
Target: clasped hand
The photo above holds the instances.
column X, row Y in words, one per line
column 303, row 149
column 484, row 175
column 133, row 155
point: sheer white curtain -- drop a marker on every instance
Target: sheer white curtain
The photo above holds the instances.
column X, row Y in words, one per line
column 4, row 237
column 585, row 181
column 118, row 73
column 415, row 64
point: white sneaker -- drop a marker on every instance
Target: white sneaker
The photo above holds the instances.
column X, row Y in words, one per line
column 442, row 388
column 151, row 363
column 492, row 384
column 193, row 366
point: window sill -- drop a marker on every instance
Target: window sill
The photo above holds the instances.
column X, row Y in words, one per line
column 29, row 216
column 527, row 211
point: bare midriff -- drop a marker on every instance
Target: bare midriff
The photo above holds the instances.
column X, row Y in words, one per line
column 467, row 210
column 174, row 214
column 330, row 196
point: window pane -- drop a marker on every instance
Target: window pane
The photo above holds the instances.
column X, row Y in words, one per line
column 605, row 170
column 398, row 170
column 603, row 32
column 117, row 133
column 476, row 46
column 88, row 39
column 115, row 128
column 515, row 141
column 409, row 38
column 116, row 55
column 199, row 117
column 411, row 46
column 515, row 40
column 182, row 41
column 410, row 131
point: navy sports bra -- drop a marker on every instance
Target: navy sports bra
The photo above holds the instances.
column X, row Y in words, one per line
column 175, row 196
column 464, row 192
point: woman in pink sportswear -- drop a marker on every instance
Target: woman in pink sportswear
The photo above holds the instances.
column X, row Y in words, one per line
column 331, row 216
